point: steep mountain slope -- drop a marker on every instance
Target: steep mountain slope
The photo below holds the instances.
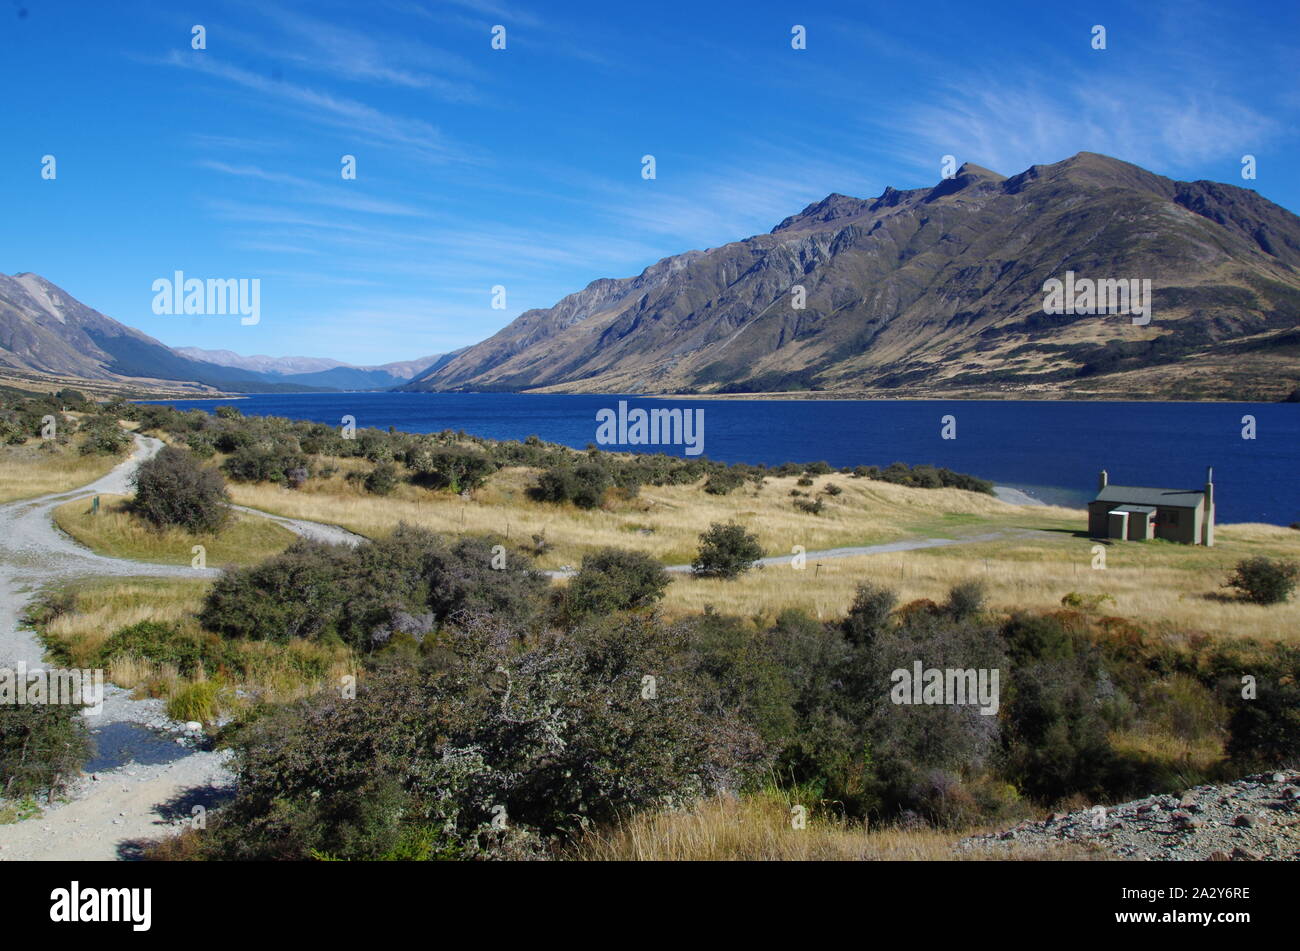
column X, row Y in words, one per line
column 45, row 330
column 940, row 290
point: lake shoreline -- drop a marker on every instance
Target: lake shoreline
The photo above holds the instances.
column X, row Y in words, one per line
column 1050, row 450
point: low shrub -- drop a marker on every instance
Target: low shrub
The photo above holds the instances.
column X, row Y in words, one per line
column 381, row 480
column 726, row 551
column 42, row 747
column 173, row 490
column 614, row 579
column 1265, row 580
column 496, row 750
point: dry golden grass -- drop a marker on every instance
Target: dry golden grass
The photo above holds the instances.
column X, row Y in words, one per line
column 759, row 829
column 664, row 522
column 101, row 608
column 1040, row 556
column 1162, row 586
column 115, row 532
column 30, row 470
column 266, row 671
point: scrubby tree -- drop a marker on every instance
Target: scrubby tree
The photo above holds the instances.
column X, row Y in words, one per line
column 584, row 484
column 869, row 613
column 614, row 579
column 318, row 591
column 42, row 746
column 726, row 551
column 723, row 481
column 556, row 735
column 966, row 599
column 1265, row 580
column 103, row 436
column 173, row 490
column 382, row 479
column 449, row 467
column 264, row 460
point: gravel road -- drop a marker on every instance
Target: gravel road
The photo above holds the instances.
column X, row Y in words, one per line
column 853, row 551
column 105, row 814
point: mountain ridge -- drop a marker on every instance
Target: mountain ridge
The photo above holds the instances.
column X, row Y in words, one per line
column 936, row 289
column 46, row 333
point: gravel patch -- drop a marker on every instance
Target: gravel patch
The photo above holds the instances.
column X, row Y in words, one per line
column 1252, row 819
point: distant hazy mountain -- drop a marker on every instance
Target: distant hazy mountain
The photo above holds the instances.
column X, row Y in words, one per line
column 316, row 371
column 46, row 330
column 43, row 329
column 940, row 290
column 259, row 363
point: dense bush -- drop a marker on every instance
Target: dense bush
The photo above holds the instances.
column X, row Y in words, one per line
column 494, row 749
column 614, row 579
column 1055, row 739
column 723, row 482
column 460, row 470
column 264, row 461
column 161, row 643
column 173, row 490
column 1265, row 731
column 42, row 747
column 297, row 593
column 1265, row 580
column 381, row 480
column 201, row 444
column 583, row 484
column 869, row 613
column 966, row 599
column 726, row 550
column 359, row 595
column 103, row 436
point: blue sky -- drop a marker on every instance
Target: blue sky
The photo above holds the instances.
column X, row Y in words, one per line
column 522, row 167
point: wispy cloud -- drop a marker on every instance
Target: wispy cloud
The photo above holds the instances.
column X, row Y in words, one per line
column 385, row 59
column 335, row 196
column 1009, row 123
column 416, row 135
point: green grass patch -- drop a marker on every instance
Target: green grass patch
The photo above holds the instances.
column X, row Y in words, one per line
column 114, row 531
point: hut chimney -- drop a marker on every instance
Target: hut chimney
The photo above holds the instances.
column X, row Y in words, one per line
column 1207, row 517
column 1103, row 480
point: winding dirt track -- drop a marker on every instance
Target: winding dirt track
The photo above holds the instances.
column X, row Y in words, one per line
column 128, row 804
column 105, row 816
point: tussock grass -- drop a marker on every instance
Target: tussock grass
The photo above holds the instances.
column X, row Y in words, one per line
column 662, row 521
column 254, row 671
column 1042, row 555
column 28, row 471
column 117, row 533
column 758, row 828
column 98, row 609
column 1162, row 586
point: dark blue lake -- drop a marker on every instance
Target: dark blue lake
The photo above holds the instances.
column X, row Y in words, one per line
column 1051, row 450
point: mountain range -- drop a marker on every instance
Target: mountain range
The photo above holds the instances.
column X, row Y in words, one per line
column 317, row 371
column 940, row 291
column 937, row 291
column 45, row 332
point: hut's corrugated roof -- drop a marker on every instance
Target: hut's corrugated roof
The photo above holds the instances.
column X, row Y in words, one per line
column 1144, row 495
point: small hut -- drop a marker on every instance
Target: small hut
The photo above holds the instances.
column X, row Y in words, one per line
column 1139, row 513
